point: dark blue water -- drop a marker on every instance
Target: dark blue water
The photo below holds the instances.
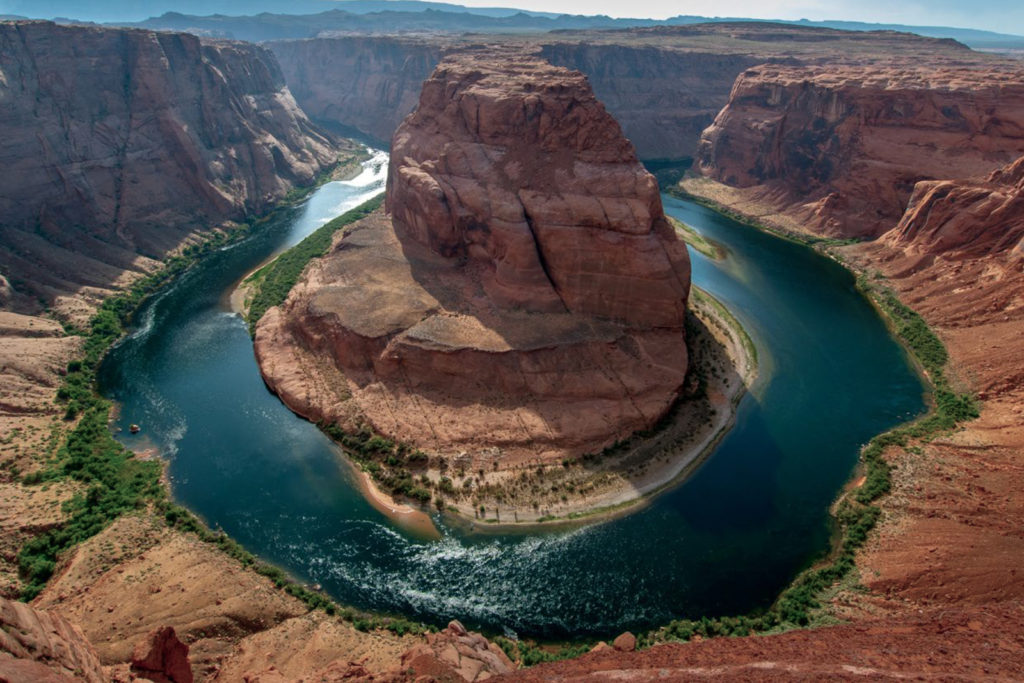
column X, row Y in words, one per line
column 725, row 541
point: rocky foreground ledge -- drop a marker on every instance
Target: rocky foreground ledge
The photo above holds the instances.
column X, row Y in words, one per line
column 521, row 301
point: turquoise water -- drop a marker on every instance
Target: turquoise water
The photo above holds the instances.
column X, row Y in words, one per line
column 727, row 540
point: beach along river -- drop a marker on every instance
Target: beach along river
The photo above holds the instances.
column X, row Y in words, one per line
column 725, row 541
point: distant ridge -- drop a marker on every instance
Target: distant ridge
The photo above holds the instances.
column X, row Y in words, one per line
column 273, row 19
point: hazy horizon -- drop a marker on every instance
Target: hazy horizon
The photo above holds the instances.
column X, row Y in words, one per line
column 1002, row 16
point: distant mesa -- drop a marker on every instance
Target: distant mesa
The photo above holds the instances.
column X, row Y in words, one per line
column 522, row 297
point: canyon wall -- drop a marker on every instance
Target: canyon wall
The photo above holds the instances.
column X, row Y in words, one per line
column 120, row 143
column 663, row 98
column 664, row 85
column 840, row 149
column 366, row 83
column 525, row 299
column 371, row 84
column 965, row 219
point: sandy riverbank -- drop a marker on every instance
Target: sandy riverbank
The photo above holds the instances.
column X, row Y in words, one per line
column 405, row 516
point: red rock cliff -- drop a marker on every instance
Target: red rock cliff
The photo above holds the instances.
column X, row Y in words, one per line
column 526, row 298
column 369, row 83
column 840, row 149
column 120, row 143
column 664, row 85
column 523, row 172
column 965, row 219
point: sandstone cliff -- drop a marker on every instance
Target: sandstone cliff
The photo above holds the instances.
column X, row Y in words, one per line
column 366, row 83
column 120, row 143
column 840, row 149
column 664, row 85
column 42, row 646
column 526, row 297
column 965, row 219
column 664, row 98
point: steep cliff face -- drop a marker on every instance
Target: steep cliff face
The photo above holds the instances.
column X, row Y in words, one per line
column 841, row 149
column 526, row 297
column 366, row 83
column 119, row 143
column 663, row 98
column 663, row 84
column 524, row 174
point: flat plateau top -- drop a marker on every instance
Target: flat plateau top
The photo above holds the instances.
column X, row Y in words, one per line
column 376, row 285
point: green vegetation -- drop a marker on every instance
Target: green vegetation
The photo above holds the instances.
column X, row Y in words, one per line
column 529, row 653
column 389, row 463
column 696, row 240
column 272, row 282
column 115, row 481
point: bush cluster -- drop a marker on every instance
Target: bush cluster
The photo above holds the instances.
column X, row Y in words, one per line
column 276, row 279
column 529, row 654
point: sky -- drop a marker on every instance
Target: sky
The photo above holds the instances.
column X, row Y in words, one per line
column 1004, row 16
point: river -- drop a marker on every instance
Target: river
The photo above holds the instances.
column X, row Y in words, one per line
column 725, row 541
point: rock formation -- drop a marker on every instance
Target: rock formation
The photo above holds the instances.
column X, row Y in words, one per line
column 456, row 654
column 664, row 85
column 161, row 656
column 526, row 297
column 840, row 149
column 120, row 143
column 37, row 645
column 965, row 219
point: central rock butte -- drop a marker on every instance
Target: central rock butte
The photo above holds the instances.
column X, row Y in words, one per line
column 523, row 296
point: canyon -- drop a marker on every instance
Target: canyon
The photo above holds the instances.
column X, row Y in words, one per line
column 838, row 150
column 805, row 130
column 116, row 158
column 523, row 296
column 651, row 80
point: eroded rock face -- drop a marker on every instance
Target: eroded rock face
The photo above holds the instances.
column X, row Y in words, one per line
column 162, row 656
column 840, row 149
column 120, row 143
column 664, row 85
column 37, row 645
column 965, row 219
column 525, row 298
column 520, row 171
column 456, row 654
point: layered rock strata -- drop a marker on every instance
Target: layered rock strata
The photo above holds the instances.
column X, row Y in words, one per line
column 38, row 645
column 369, row 83
column 526, row 296
column 965, row 219
column 839, row 150
column 118, row 144
column 664, row 85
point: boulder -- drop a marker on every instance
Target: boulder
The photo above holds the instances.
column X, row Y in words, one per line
column 162, row 654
